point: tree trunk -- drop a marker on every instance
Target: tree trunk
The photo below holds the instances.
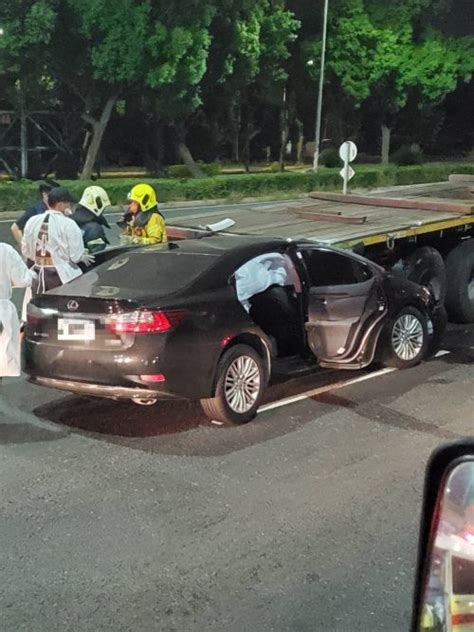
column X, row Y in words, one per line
column 98, row 129
column 284, row 128
column 386, row 131
column 187, row 158
column 246, row 147
column 155, row 148
column 23, row 144
column 235, row 123
column 300, row 146
column 160, row 146
column 249, row 134
column 184, row 153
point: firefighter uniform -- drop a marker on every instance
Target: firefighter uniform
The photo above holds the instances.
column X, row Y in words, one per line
column 89, row 216
column 145, row 225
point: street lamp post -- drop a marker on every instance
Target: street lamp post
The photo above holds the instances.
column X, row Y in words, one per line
column 317, row 138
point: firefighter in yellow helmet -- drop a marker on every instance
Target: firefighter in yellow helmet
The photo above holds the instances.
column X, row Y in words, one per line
column 145, row 225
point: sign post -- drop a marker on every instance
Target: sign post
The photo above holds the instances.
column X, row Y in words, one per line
column 347, row 153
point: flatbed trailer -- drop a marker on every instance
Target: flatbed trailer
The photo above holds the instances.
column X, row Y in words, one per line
column 423, row 232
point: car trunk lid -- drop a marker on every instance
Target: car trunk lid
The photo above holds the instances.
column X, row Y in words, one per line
column 78, row 322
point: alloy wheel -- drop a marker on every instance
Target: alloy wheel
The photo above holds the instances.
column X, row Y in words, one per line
column 242, row 384
column 407, row 337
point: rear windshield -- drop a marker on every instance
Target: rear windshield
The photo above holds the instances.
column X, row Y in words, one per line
column 164, row 271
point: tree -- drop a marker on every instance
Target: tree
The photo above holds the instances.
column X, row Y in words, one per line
column 379, row 55
column 246, row 69
column 27, row 31
column 176, row 60
column 108, row 36
column 228, row 78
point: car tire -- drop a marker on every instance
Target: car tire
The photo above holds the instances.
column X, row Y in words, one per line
column 460, row 294
column 426, row 267
column 440, row 322
column 406, row 339
column 241, row 379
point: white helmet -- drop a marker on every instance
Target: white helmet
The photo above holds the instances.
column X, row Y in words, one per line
column 95, row 199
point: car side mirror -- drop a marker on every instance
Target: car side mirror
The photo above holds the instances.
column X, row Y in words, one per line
column 444, row 587
column 232, row 281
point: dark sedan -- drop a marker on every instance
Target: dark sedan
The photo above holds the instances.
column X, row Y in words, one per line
column 213, row 318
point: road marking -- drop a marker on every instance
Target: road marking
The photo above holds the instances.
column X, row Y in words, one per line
column 334, row 387
column 324, row 389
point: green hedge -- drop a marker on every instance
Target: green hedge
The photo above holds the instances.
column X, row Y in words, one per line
column 181, row 171
column 18, row 195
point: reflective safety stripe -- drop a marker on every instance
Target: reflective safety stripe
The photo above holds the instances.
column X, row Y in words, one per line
column 44, row 262
column 95, row 242
column 43, row 257
column 463, row 619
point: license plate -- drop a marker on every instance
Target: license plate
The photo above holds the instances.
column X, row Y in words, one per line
column 75, row 329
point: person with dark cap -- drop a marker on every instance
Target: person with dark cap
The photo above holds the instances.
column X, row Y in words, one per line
column 18, row 227
column 89, row 216
column 53, row 241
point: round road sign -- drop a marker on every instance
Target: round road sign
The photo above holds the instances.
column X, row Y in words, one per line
column 348, row 151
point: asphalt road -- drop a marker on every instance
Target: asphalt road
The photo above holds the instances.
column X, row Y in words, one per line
column 117, row 517
column 186, row 214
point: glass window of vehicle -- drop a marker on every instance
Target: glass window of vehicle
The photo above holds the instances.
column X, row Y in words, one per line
column 258, row 274
column 363, row 271
column 328, row 268
column 166, row 271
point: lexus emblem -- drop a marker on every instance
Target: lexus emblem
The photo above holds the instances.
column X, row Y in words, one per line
column 73, row 306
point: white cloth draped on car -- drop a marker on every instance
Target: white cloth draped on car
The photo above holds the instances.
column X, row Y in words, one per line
column 259, row 274
column 13, row 273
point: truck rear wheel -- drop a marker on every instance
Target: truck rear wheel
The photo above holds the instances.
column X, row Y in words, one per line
column 460, row 272
column 426, row 267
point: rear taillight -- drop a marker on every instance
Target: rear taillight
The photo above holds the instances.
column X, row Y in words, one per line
column 144, row 321
column 34, row 315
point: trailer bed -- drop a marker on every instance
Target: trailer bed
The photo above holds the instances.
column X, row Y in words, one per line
column 346, row 222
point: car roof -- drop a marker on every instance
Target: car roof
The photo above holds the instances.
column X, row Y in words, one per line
column 219, row 244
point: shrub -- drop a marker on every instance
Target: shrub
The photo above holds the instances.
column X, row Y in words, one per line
column 177, row 171
column 16, row 196
column 181, row 171
column 211, row 168
column 407, row 155
column 274, row 167
column 330, row 158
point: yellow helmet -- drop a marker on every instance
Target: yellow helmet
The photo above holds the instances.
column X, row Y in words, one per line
column 95, row 199
column 144, row 195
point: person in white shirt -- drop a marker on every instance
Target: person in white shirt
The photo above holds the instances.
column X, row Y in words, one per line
column 54, row 243
column 13, row 273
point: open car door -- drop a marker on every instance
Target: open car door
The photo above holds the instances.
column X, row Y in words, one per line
column 345, row 302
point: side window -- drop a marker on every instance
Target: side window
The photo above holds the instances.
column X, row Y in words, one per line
column 363, row 272
column 329, row 268
column 258, row 274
